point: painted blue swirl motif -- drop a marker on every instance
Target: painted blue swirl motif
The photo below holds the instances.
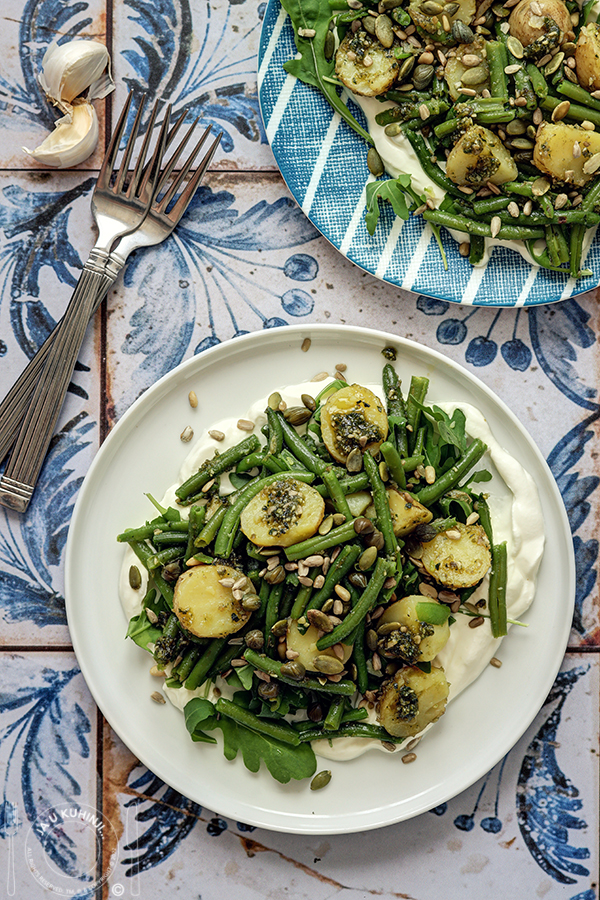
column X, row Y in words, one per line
column 546, row 799
column 219, row 89
column 206, row 273
column 31, row 548
column 44, row 748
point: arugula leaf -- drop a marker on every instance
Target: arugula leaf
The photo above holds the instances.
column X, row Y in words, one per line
column 392, row 190
column 199, row 712
column 142, row 631
column 481, row 475
column 282, row 760
column 312, row 67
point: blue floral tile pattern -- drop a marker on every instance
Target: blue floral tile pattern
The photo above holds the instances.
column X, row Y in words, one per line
column 324, row 166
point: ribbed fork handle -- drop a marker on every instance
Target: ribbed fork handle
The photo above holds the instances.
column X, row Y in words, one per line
column 19, row 479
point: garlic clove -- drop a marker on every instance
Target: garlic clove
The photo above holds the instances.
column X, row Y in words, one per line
column 74, row 138
column 71, row 68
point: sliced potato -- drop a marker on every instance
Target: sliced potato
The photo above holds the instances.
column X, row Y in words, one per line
column 480, row 156
column 283, row 513
column 306, row 646
column 419, row 642
column 455, row 68
column 206, row 607
column 553, row 152
column 529, row 26
column 458, row 563
column 406, row 512
column 364, row 65
column 412, row 700
column 358, row 502
column 587, row 57
column 352, row 418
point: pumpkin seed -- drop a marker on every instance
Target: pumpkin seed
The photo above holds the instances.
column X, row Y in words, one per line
column 369, row 24
column 451, row 8
column 384, row 31
column 393, row 129
column 462, row 33
column 293, row 669
column 309, row 402
column 422, row 76
column 431, row 8
column 517, row 126
column 374, row 163
column 320, row 780
column 554, row 64
column 326, row 525
column 367, row 559
column 280, row 628
column 390, row 4
column 297, row 415
column 406, row 68
column 354, row 462
column 515, row 46
column 328, row 665
column 135, row 579
column 318, row 618
column 329, row 46
column 477, row 75
column 540, row 186
column 275, row 576
column 387, row 628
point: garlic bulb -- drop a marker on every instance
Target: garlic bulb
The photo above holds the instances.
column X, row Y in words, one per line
column 71, row 68
column 74, row 137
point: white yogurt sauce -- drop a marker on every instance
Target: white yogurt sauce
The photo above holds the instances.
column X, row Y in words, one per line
column 399, row 157
column 516, row 517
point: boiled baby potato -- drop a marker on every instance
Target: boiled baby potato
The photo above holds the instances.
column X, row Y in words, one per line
column 353, row 418
column 420, row 641
column 306, row 646
column 364, row 65
column 206, row 607
column 412, row 700
column 587, row 57
column 285, row 512
column 406, row 512
column 553, row 152
column 458, row 563
column 529, row 25
column 480, row 156
column 455, row 68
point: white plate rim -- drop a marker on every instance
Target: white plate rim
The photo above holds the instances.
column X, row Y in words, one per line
column 286, row 808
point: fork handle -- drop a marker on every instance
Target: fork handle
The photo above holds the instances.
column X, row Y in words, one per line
column 20, row 477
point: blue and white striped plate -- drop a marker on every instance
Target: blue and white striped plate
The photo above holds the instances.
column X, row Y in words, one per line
column 324, row 165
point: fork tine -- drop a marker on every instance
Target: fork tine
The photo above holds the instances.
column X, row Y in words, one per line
column 170, row 194
column 124, row 167
column 113, row 148
column 177, row 153
column 134, row 184
column 186, row 197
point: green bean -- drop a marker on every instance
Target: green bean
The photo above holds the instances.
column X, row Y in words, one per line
column 348, row 485
column 576, row 216
column 333, row 719
column 226, row 460
column 576, row 248
column 490, row 205
column 383, row 569
column 359, row 658
column 143, row 553
column 196, row 523
column 497, row 60
column 592, row 198
column 576, row 112
column 273, row 667
column 477, row 251
column 337, row 570
column 394, row 463
column 301, row 450
column 563, row 244
column 443, row 129
column 272, row 613
column 552, row 245
column 351, row 729
column 538, row 82
column 522, row 188
column 226, row 536
column 416, row 395
column 577, row 93
column 382, row 506
column 280, row 731
column 497, row 590
column 188, row 662
column 432, row 492
column 275, row 443
column 418, row 144
column 321, row 542
column 170, row 538
column 485, row 517
column 459, row 223
column 303, row 596
column 204, row 664
column 396, row 408
column 338, row 498
column 412, row 110
column 210, row 529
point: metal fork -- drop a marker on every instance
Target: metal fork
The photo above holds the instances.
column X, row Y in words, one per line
column 18, row 481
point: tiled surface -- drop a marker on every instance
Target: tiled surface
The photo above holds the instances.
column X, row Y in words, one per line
column 247, row 259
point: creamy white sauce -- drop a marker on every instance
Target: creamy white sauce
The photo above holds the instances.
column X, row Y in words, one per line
column 399, row 157
column 516, row 517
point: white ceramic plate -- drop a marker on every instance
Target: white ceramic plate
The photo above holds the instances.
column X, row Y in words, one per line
column 144, row 452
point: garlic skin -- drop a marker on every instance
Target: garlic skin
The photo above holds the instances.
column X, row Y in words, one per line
column 72, row 68
column 74, row 138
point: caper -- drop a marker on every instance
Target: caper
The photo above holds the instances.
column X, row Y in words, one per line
column 328, row 665
column 251, row 601
column 297, row 415
column 268, row 690
column 462, row 33
column 376, row 540
column 255, row 639
column 358, row 580
column 374, row 163
column 362, row 525
column 293, row 669
column 171, row 572
column 135, row 579
column 321, row 780
column 275, row 576
column 422, row 76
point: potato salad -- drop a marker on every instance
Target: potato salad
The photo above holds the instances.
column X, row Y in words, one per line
column 331, row 570
column 485, row 114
